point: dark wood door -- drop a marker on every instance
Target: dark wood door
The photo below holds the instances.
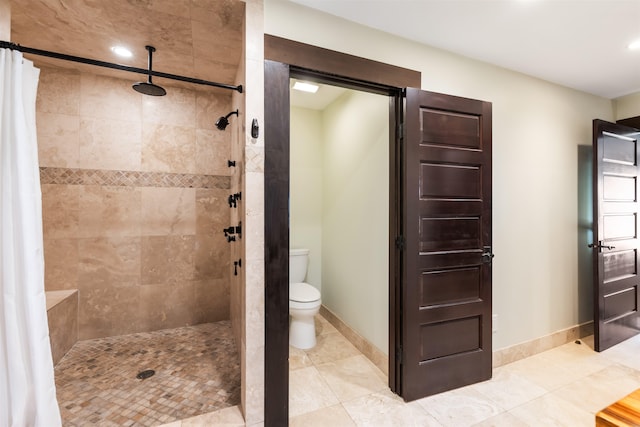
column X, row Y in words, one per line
column 446, row 281
column 615, row 233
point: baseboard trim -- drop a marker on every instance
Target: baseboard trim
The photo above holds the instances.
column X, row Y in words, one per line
column 538, row 345
column 369, row 350
column 501, row 357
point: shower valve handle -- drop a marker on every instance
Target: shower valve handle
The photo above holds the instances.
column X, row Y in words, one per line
column 233, row 199
column 236, row 264
column 230, row 232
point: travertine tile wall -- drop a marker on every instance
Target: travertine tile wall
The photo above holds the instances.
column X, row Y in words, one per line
column 253, row 328
column 5, row 20
column 62, row 317
column 135, row 195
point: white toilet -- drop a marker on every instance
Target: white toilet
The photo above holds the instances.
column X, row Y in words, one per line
column 304, row 302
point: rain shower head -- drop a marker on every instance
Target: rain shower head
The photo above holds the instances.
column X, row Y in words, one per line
column 223, row 122
column 148, row 87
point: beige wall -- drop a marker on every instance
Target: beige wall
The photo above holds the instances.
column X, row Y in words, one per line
column 339, row 207
column 5, row 20
column 355, row 223
column 306, row 200
column 537, row 130
column 134, row 202
column 627, row 106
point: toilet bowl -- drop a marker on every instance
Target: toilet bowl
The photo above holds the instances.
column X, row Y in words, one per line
column 304, row 302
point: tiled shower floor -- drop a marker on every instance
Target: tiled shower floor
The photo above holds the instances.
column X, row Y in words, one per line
column 197, row 371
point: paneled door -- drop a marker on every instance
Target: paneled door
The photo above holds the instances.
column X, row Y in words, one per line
column 446, row 280
column 615, row 233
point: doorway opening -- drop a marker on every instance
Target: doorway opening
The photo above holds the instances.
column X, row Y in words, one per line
column 439, row 225
column 285, row 59
column 339, row 211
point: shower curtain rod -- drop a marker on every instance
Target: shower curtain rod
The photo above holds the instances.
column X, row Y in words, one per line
column 64, row 57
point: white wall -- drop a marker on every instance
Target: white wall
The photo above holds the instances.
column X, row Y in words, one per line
column 537, row 129
column 305, row 220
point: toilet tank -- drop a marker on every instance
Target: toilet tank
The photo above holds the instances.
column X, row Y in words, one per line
column 298, row 262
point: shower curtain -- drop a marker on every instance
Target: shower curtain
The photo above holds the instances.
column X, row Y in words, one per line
column 27, row 388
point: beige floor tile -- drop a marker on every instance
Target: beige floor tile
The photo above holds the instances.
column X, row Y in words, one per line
column 352, row 377
column 548, row 410
column 464, row 406
column 228, row 417
column 331, row 347
column 598, row 390
column 298, row 359
column 334, row 416
column 625, row 353
column 579, row 358
column 564, row 386
column 308, row 392
column 384, row 409
column 505, row 419
column 545, row 372
column 323, row 326
column 509, row 389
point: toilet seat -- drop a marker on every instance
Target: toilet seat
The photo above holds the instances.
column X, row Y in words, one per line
column 303, row 293
column 303, row 296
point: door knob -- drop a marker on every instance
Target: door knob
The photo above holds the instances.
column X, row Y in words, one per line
column 487, row 255
column 600, row 246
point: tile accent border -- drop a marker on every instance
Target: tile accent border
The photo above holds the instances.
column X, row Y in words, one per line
column 369, row 350
column 529, row 348
column 120, row 178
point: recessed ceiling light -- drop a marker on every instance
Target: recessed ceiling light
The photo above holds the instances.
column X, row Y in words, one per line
column 634, row 45
column 306, row 87
column 122, row 51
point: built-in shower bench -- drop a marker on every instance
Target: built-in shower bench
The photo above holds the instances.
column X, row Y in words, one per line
column 62, row 315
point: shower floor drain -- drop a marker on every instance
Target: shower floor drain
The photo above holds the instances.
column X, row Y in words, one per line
column 145, row 374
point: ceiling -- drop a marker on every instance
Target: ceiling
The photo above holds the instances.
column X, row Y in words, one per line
column 580, row 44
column 320, row 100
column 576, row 43
column 193, row 38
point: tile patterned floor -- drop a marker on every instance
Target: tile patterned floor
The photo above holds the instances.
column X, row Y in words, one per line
column 333, row 385
column 197, row 372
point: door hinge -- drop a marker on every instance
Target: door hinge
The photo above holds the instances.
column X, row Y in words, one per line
column 400, row 243
column 399, row 355
column 400, row 130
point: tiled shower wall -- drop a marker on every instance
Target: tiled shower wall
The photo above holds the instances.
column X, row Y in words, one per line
column 135, row 195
